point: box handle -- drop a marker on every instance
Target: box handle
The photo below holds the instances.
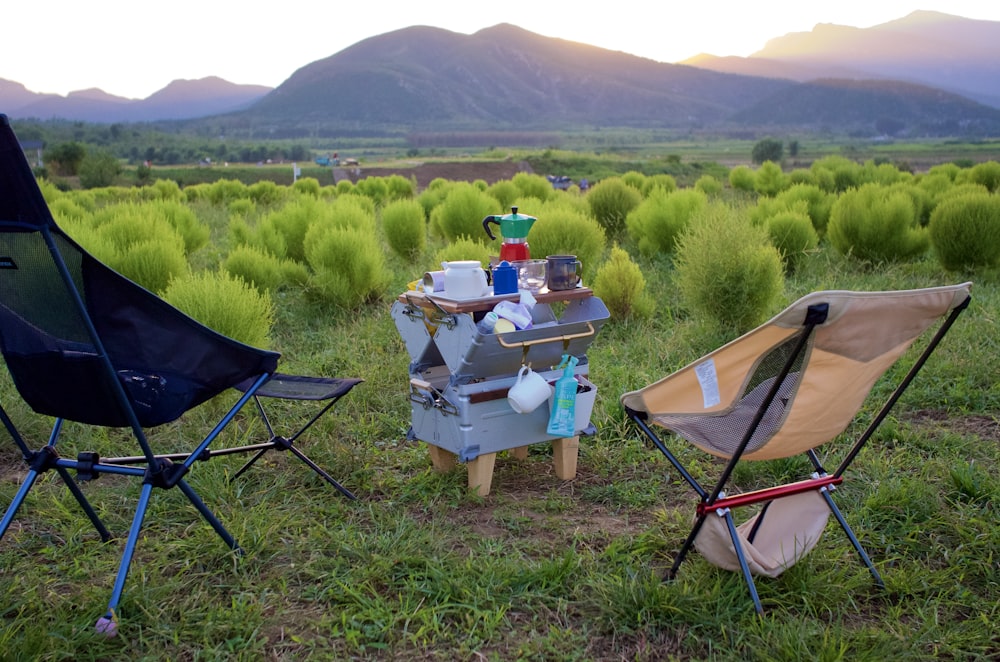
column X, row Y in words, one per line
column 525, row 345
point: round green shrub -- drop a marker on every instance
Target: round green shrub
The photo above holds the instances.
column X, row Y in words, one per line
column 965, row 231
column 432, row 196
column 987, row 174
column 127, row 224
column 708, row 185
column 726, row 270
column 183, row 219
column 266, row 193
column 505, row 192
column 769, row 179
column 254, row 266
column 152, row 264
column 348, row 211
column 741, row 178
column 166, row 189
column 622, row 287
column 635, row 179
column 659, row 219
column 562, row 229
column 348, row 265
column 660, row 180
column 282, row 231
column 306, row 186
column 876, row 224
column 243, row 207
column 373, row 188
column 610, row 202
column 462, row 211
column 792, row 233
column 223, row 191
column 818, row 203
column 533, row 186
column 400, row 188
column 226, row 304
column 405, row 228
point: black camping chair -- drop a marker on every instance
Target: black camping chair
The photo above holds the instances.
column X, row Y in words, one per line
column 84, row 344
column 784, row 389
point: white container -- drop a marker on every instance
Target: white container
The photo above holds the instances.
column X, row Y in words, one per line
column 464, row 279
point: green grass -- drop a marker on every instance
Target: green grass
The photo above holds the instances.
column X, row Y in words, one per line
column 542, row 569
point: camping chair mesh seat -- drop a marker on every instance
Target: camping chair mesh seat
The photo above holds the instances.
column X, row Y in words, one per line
column 84, row 344
column 783, row 389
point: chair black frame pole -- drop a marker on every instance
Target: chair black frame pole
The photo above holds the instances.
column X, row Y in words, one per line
column 903, row 385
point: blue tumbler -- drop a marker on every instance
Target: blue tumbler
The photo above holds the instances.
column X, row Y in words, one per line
column 504, row 278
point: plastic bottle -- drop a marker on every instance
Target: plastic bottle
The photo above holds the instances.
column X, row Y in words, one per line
column 562, row 417
column 488, row 322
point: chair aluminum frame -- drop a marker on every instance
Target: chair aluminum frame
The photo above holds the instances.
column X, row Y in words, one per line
column 715, row 502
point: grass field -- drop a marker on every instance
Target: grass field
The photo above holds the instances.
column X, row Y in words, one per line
column 419, row 568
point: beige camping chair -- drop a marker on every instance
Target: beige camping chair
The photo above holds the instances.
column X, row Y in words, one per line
column 783, row 389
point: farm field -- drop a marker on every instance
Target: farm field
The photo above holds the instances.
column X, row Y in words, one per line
column 420, row 568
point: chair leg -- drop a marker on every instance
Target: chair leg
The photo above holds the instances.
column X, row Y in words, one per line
column 686, row 547
column 15, row 505
column 209, row 516
column 323, row 474
column 84, row 503
column 743, row 562
column 108, row 624
column 854, row 540
column 249, row 463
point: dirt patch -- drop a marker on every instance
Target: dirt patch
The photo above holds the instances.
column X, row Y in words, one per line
column 489, row 171
column 985, row 427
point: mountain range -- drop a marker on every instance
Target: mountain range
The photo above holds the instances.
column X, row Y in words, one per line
column 925, row 74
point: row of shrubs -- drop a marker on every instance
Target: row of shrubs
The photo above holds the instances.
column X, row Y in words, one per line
column 731, row 246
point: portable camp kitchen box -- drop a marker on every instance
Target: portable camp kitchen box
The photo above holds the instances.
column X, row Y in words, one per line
column 459, row 377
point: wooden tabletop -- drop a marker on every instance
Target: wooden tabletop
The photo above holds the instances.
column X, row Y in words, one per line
column 487, row 303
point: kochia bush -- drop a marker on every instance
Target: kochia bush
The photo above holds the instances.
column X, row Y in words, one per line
column 610, row 202
column 348, row 265
column 876, row 224
column 255, row 266
column 461, row 213
column 404, row 226
column 726, row 269
column 965, row 231
column 226, row 304
column 562, row 229
column 659, row 219
column 622, row 287
column 792, row 233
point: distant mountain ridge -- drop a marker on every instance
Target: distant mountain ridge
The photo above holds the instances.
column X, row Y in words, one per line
column 181, row 99
column 507, row 79
column 956, row 54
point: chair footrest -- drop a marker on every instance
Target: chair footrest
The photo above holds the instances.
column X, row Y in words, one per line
column 300, row 387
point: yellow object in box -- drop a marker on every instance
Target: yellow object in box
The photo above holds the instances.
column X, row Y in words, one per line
column 504, row 326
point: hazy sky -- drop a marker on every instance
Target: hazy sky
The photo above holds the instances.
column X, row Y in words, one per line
column 133, row 49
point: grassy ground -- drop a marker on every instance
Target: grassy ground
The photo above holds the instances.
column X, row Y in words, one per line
column 418, row 568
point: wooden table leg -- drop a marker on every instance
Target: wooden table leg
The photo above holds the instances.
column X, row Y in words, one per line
column 564, row 454
column 481, row 473
column 442, row 460
column 519, row 453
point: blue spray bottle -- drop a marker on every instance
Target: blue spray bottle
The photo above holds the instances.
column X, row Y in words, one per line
column 562, row 417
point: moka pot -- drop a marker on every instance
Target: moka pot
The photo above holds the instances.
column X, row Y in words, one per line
column 514, row 229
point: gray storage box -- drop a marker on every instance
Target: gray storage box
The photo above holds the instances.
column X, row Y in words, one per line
column 459, row 377
column 470, row 420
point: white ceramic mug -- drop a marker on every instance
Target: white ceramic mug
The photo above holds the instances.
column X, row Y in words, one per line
column 528, row 392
